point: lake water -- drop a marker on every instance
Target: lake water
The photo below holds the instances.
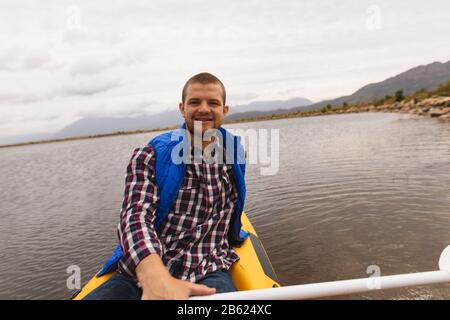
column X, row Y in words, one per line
column 352, row 191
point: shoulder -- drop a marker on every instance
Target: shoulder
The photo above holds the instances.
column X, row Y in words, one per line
column 143, row 155
column 167, row 138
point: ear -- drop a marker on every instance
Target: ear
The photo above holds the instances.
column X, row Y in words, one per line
column 181, row 108
column 225, row 109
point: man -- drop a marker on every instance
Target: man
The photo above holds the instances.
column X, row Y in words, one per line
column 175, row 237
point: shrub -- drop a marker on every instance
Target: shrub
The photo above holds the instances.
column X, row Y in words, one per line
column 399, row 96
column 443, row 89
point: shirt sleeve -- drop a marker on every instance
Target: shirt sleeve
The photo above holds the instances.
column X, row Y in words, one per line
column 136, row 231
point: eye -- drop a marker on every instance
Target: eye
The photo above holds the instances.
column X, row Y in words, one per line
column 194, row 102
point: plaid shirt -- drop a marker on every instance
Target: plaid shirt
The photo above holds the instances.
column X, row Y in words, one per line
column 192, row 240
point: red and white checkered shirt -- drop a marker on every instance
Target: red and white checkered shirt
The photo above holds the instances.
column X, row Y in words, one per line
column 192, row 240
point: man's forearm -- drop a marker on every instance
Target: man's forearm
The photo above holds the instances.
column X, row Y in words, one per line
column 151, row 270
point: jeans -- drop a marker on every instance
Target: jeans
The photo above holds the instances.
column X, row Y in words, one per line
column 121, row 287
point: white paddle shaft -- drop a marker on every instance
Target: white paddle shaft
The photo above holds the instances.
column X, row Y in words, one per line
column 333, row 288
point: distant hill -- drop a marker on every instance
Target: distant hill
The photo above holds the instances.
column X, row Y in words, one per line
column 102, row 125
column 269, row 105
column 426, row 77
column 259, row 107
column 6, row 140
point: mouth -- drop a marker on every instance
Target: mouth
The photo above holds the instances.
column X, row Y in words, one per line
column 203, row 119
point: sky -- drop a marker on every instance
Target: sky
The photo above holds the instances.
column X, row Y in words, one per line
column 61, row 61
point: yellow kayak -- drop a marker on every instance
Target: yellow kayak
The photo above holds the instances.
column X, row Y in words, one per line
column 252, row 271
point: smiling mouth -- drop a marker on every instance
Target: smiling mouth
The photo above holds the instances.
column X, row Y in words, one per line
column 203, row 119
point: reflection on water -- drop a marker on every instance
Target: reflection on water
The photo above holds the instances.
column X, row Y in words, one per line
column 352, row 191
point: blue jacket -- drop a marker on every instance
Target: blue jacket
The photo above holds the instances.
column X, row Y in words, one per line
column 170, row 175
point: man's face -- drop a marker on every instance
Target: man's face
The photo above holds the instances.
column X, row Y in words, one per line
column 203, row 102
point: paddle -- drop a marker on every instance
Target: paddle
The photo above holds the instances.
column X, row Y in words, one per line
column 334, row 288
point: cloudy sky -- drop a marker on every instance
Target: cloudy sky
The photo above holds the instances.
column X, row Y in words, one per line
column 64, row 60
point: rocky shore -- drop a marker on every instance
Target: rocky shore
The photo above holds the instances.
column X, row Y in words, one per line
column 434, row 107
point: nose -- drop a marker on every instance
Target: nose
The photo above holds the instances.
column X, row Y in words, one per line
column 204, row 107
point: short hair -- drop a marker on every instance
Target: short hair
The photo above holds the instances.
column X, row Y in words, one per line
column 203, row 78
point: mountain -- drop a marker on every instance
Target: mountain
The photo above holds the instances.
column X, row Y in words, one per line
column 6, row 140
column 260, row 107
column 102, row 125
column 426, row 77
column 269, row 105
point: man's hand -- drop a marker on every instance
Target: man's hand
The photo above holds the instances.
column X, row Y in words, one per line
column 158, row 284
column 174, row 289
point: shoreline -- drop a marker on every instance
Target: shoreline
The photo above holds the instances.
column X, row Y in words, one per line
column 433, row 107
